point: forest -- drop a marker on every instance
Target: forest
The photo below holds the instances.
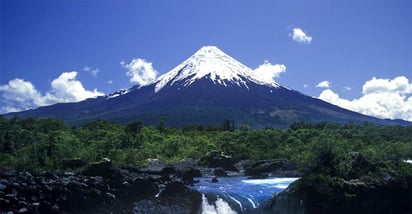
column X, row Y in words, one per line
column 37, row 144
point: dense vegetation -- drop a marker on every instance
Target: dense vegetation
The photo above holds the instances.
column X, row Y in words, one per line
column 44, row 144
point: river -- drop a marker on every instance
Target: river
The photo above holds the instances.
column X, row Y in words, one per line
column 237, row 194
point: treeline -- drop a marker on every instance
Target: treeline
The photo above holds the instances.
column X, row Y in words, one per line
column 45, row 144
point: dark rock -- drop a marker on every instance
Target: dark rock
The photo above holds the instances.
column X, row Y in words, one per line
column 286, row 202
column 185, row 165
column 286, row 173
column 133, row 169
column 69, row 174
column 23, row 204
column 216, row 159
column 104, row 168
column 142, row 187
column 155, row 166
column 189, row 175
column 243, row 164
column 269, row 167
column 168, row 170
column 173, row 188
column 23, row 210
column 125, row 184
column 55, row 208
column 176, row 198
column 219, row 172
column 74, row 163
column 49, row 175
column 11, row 198
column 186, row 170
column 16, row 186
column 2, row 187
column 214, row 180
column 28, row 175
column 110, row 198
column 45, row 207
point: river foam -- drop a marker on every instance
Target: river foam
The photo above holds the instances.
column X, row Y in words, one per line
column 218, row 207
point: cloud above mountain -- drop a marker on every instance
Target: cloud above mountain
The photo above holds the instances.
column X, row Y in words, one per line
column 383, row 98
column 268, row 71
column 140, row 71
column 300, row 36
column 66, row 88
column 20, row 94
column 323, row 84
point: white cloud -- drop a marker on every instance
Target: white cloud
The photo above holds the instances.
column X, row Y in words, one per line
column 383, row 98
column 399, row 85
column 110, row 82
column 330, row 96
column 305, row 85
column 268, row 71
column 21, row 95
column 67, row 89
column 323, row 84
column 92, row 70
column 347, row 88
column 300, row 36
column 140, row 71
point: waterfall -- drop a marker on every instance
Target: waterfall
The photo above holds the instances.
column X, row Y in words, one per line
column 217, row 207
column 237, row 194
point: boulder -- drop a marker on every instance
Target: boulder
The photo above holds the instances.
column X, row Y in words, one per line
column 104, row 168
column 286, row 202
column 184, row 165
column 173, row 188
column 269, row 167
column 3, row 187
column 219, row 172
column 74, row 163
column 157, row 167
column 243, row 165
column 141, row 187
column 189, row 175
column 133, row 169
column 286, row 173
column 216, row 159
column 187, row 170
column 214, row 180
column 49, row 175
column 175, row 198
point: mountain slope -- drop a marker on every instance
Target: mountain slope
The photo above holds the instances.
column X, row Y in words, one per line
column 207, row 88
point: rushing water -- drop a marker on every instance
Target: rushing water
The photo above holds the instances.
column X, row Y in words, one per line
column 238, row 194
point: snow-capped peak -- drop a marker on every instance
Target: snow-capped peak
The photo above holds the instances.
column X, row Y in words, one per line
column 210, row 61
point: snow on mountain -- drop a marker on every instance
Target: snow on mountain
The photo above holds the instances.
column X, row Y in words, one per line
column 118, row 93
column 211, row 62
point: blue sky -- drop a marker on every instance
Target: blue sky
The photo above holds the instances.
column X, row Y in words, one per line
column 356, row 54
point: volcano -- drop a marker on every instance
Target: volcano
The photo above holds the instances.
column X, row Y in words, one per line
column 208, row 88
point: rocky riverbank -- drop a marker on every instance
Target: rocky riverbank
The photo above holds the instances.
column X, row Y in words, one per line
column 103, row 187
column 347, row 184
column 99, row 187
column 381, row 188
